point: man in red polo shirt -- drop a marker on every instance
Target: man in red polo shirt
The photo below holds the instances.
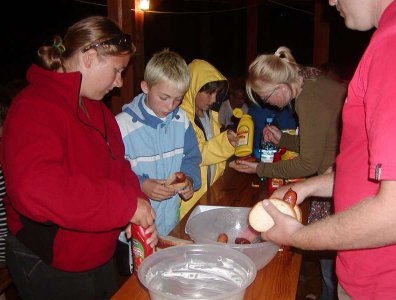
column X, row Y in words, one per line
column 364, row 226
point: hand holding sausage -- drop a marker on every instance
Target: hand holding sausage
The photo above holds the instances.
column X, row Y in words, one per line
column 177, row 181
column 156, row 190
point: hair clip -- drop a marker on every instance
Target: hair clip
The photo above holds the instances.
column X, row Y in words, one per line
column 59, row 45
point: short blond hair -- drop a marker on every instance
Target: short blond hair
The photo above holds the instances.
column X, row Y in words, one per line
column 269, row 70
column 167, row 66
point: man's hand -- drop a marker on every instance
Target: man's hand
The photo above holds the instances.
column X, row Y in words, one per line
column 144, row 215
column 298, row 188
column 284, row 228
column 156, row 190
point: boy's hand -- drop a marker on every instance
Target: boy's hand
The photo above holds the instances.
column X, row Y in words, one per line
column 188, row 191
column 232, row 137
column 156, row 190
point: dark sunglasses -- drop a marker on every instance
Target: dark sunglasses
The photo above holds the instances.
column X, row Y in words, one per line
column 124, row 41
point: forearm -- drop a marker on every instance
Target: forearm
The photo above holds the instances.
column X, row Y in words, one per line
column 319, row 186
column 298, row 167
column 290, row 142
column 368, row 224
column 215, row 150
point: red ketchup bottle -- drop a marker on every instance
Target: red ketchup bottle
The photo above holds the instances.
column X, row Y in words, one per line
column 140, row 248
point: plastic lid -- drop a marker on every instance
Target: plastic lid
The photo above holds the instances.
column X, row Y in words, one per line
column 237, row 112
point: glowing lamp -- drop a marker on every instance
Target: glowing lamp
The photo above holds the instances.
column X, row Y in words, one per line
column 144, row 4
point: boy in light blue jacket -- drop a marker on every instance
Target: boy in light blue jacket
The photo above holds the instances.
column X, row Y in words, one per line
column 159, row 139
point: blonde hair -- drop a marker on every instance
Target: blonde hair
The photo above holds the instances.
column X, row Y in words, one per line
column 269, row 70
column 167, row 66
column 85, row 34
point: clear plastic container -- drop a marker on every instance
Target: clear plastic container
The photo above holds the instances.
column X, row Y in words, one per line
column 205, row 227
column 196, row 271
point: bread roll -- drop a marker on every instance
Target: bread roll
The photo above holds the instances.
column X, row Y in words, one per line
column 298, row 211
column 170, row 241
column 177, row 181
column 261, row 221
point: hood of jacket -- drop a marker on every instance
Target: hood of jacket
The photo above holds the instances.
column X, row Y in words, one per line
column 136, row 110
column 201, row 72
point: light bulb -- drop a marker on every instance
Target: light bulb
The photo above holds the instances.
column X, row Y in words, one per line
column 144, row 4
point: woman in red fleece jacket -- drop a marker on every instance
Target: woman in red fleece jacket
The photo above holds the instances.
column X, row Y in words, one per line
column 70, row 190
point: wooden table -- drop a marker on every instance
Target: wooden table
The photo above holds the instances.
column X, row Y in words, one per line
column 277, row 280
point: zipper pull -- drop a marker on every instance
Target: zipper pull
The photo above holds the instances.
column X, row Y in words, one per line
column 110, row 151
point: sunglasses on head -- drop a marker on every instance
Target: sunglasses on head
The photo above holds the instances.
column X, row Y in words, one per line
column 124, row 41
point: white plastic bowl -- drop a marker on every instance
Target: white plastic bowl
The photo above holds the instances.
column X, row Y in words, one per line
column 197, row 272
column 205, row 227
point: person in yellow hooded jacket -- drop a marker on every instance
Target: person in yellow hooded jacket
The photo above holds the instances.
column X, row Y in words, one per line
column 207, row 86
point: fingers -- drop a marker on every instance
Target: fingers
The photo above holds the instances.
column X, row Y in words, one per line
column 271, row 133
column 232, row 137
column 269, row 207
column 273, row 129
column 246, row 167
column 232, row 133
column 128, row 232
column 153, row 215
column 153, row 239
column 162, row 192
column 279, row 193
column 144, row 214
column 186, row 193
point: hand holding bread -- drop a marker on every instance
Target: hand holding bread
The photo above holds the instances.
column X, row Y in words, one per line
column 261, row 221
column 177, row 181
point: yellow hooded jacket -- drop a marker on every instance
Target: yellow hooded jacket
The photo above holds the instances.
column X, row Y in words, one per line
column 216, row 150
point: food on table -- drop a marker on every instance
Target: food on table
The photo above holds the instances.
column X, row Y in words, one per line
column 169, row 241
column 177, row 180
column 241, row 240
column 222, row 238
column 261, row 221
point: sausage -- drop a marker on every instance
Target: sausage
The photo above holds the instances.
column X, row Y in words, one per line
column 241, row 240
column 290, row 197
column 222, row 238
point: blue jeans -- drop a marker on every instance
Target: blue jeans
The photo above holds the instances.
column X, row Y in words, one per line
column 329, row 280
column 36, row 280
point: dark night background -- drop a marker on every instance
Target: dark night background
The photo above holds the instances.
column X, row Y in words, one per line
column 219, row 35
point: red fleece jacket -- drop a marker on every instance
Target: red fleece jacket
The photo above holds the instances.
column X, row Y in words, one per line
column 66, row 194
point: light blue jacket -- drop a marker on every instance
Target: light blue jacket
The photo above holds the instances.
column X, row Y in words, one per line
column 157, row 149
